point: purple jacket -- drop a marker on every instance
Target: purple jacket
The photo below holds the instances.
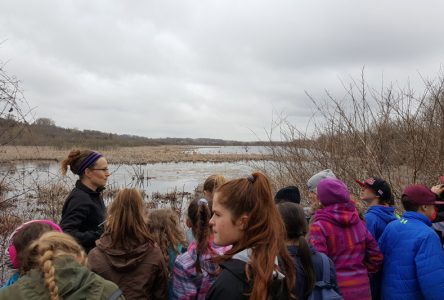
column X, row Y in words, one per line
column 338, row 232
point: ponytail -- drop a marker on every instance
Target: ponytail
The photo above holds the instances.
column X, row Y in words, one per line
column 74, row 160
column 199, row 214
column 296, row 229
column 263, row 233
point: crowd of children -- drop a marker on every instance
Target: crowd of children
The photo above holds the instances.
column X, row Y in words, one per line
column 237, row 242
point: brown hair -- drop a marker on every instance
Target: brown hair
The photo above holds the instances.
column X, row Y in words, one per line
column 213, row 182
column 164, row 226
column 264, row 232
column 199, row 214
column 42, row 253
column 296, row 227
column 74, row 160
column 24, row 237
column 125, row 222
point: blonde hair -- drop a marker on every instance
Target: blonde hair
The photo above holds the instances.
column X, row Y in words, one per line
column 126, row 220
column 164, row 226
column 43, row 252
column 213, row 182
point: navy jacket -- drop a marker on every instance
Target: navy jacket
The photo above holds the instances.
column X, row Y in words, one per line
column 413, row 260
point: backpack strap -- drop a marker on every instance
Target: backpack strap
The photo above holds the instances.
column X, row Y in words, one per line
column 326, row 268
column 325, row 282
column 114, row 296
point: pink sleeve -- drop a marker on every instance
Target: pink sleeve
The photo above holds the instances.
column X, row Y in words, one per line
column 317, row 238
column 373, row 256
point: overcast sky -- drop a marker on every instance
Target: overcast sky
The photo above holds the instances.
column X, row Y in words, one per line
column 218, row 69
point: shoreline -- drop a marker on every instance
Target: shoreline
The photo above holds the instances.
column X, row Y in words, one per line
column 126, row 155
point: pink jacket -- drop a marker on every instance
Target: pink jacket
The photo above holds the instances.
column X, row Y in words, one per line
column 338, row 232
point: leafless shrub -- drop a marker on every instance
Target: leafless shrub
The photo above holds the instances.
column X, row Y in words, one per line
column 393, row 132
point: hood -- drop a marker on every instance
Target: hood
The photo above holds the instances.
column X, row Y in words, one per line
column 340, row 214
column 122, row 259
column 386, row 213
column 245, row 256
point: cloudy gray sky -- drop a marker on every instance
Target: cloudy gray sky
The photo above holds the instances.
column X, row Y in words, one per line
column 219, row 69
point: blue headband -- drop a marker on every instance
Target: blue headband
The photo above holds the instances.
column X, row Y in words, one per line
column 88, row 162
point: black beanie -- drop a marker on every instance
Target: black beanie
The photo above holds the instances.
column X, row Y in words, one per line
column 288, row 194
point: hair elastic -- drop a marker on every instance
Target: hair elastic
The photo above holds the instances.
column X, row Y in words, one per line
column 251, row 178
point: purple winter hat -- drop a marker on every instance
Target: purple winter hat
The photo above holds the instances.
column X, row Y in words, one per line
column 331, row 191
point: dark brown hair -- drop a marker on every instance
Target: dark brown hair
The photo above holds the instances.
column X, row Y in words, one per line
column 408, row 205
column 74, row 160
column 199, row 214
column 25, row 237
column 264, row 232
column 296, row 227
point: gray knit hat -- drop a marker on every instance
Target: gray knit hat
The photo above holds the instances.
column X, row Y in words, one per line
column 313, row 182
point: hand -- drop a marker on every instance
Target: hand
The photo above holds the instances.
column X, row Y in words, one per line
column 438, row 189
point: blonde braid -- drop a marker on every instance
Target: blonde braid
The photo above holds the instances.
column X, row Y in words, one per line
column 48, row 270
column 49, row 246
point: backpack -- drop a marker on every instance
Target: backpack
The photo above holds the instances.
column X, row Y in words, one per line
column 323, row 289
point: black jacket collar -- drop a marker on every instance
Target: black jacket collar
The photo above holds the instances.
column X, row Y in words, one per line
column 86, row 189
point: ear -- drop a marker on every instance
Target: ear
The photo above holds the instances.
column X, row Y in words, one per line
column 242, row 222
column 87, row 172
column 423, row 208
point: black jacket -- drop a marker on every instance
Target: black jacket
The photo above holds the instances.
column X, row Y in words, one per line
column 83, row 215
column 232, row 283
column 299, row 288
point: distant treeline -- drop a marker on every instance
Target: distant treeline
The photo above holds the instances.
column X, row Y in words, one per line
column 44, row 132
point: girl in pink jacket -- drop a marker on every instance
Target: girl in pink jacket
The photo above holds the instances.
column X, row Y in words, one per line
column 338, row 232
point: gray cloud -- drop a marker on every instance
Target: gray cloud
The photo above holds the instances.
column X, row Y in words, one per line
column 216, row 69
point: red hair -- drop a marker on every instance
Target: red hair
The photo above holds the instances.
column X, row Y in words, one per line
column 264, row 231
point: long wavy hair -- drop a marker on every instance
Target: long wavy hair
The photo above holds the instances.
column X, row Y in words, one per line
column 264, row 231
column 126, row 222
column 164, row 227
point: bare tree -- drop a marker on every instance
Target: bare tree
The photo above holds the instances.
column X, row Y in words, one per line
column 393, row 132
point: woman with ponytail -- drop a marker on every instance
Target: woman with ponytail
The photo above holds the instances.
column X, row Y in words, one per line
column 194, row 270
column 56, row 264
column 84, row 210
column 245, row 216
column 308, row 262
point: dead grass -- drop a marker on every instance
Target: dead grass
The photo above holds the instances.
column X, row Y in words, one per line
column 127, row 155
